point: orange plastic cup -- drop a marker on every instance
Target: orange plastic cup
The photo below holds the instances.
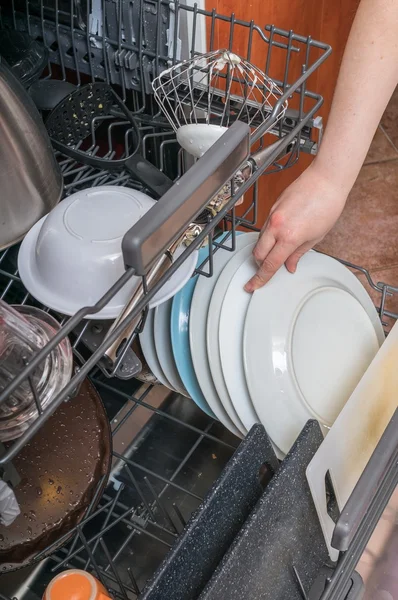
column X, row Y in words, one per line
column 75, row 585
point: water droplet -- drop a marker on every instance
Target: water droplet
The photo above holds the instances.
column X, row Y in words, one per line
column 29, row 530
column 32, row 514
column 59, row 489
column 1, row 537
column 51, row 482
column 25, row 515
column 39, row 491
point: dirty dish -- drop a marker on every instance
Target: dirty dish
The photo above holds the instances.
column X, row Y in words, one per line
column 197, row 330
column 57, row 487
column 70, row 258
column 308, row 339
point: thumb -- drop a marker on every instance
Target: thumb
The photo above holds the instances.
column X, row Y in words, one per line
column 292, row 262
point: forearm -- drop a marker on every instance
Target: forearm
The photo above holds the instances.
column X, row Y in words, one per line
column 367, row 79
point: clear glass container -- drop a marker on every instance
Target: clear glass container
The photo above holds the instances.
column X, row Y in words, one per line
column 24, row 330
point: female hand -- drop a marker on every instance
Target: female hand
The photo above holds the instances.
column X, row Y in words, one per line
column 301, row 217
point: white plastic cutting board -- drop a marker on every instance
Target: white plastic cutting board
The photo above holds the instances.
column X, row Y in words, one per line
column 355, row 434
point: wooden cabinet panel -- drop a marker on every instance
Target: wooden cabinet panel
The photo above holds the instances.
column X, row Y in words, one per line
column 325, row 20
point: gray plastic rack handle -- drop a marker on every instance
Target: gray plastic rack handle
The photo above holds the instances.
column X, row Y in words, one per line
column 383, row 461
column 183, row 202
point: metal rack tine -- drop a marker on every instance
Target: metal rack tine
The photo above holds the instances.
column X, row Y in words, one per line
column 179, row 515
column 114, row 570
column 133, row 581
column 300, row 583
column 160, row 505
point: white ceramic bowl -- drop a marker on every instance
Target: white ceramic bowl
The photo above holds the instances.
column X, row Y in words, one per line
column 197, row 138
column 73, row 256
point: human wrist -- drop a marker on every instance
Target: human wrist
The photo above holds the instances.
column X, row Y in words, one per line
column 341, row 180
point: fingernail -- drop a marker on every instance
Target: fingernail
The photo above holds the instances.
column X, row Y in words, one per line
column 249, row 288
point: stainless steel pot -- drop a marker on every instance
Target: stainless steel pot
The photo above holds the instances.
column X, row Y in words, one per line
column 30, row 178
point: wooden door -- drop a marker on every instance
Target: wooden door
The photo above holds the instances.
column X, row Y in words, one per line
column 328, row 21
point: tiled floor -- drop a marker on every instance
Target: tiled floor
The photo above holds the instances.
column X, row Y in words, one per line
column 367, row 235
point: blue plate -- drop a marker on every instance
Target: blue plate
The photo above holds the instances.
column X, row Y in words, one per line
column 179, row 325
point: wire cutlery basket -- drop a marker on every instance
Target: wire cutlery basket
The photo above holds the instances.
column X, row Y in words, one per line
column 128, row 44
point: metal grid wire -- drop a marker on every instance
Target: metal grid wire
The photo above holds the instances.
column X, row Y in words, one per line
column 144, row 509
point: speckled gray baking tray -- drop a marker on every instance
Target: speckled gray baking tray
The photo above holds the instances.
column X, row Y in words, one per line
column 281, row 538
column 211, row 530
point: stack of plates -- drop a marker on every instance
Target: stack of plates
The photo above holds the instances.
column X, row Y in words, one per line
column 294, row 350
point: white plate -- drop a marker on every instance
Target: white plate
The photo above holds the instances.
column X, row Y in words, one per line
column 212, row 331
column 230, row 339
column 72, row 256
column 164, row 350
column 308, row 339
column 147, row 341
column 197, row 331
column 177, row 280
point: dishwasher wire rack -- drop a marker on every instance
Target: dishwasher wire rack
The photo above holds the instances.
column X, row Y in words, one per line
column 127, row 43
column 289, row 59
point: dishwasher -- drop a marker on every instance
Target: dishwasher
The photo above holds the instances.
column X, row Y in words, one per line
column 180, row 487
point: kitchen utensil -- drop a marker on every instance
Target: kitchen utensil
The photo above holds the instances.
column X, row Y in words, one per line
column 308, row 338
column 180, row 314
column 48, row 93
column 279, row 550
column 355, row 434
column 57, row 487
column 72, row 257
column 26, row 57
column 30, row 178
column 197, row 328
column 216, row 88
column 197, row 138
column 147, row 341
column 210, row 532
column 24, row 330
column 164, row 348
column 94, row 126
column 75, row 584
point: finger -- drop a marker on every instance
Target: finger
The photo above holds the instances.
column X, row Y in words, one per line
column 270, row 265
column 264, row 245
column 292, row 262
